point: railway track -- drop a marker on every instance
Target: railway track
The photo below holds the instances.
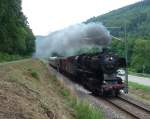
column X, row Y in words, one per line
column 128, row 106
column 133, row 108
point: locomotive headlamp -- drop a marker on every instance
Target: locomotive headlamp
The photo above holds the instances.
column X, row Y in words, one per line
column 104, row 82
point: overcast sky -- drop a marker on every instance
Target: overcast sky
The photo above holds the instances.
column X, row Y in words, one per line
column 45, row 16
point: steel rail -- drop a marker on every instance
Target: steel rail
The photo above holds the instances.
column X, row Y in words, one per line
column 130, row 108
column 143, row 106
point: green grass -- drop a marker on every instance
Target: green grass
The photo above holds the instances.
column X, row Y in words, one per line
column 83, row 110
column 34, row 73
column 139, row 87
column 65, row 92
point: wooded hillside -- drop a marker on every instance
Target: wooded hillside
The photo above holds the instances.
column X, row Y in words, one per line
column 136, row 17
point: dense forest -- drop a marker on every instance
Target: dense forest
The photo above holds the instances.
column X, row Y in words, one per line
column 16, row 38
column 136, row 19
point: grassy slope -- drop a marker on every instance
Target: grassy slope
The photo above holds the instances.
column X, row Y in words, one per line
column 28, row 91
column 137, row 86
column 139, row 90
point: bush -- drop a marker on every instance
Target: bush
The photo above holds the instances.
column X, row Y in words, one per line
column 34, row 74
column 65, row 92
column 9, row 57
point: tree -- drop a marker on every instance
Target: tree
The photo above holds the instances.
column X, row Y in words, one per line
column 15, row 35
column 141, row 56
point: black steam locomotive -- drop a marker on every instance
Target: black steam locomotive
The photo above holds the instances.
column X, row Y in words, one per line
column 96, row 72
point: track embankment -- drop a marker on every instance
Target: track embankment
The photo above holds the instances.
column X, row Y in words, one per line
column 29, row 91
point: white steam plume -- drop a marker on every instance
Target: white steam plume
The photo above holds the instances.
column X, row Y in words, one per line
column 71, row 39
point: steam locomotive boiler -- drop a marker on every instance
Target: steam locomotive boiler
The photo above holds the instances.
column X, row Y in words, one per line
column 96, row 72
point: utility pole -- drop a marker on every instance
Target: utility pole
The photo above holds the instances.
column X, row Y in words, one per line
column 125, row 53
column 126, row 57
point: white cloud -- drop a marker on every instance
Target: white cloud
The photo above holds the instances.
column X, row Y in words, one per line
column 49, row 15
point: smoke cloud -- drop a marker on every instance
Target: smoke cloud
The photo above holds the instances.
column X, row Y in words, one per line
column 67, row 41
